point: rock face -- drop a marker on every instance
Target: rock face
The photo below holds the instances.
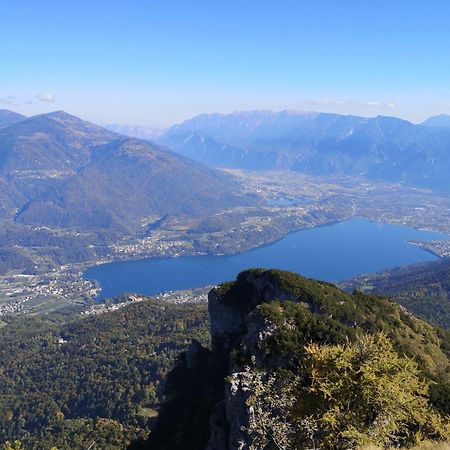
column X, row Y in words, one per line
column 230, row 304
column 234, row 324
column 260, row 324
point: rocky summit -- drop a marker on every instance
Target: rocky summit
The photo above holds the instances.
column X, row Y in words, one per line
column 271, row 334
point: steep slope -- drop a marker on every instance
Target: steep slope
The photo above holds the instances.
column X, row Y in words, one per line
column 42, row 151
column 202, row 147
column 381, row 148
column 262, row 328
column 8, row 118
column 10, row 198
column 127, row 181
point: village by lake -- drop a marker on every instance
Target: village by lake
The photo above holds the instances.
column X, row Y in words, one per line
column 332, row 253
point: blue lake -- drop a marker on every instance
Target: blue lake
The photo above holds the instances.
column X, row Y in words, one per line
column 331, row 253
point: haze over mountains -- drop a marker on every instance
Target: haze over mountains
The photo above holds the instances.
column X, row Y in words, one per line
column 137, row 131
column 381, row 148
column 58, row 170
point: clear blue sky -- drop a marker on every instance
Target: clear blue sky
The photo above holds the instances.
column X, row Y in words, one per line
column 159, row 62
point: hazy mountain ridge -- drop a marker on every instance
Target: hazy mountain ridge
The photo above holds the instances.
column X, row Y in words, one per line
column 381, row 148
column 441, row 120
column 244, row 128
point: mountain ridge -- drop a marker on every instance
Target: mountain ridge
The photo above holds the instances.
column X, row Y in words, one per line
column 137, row 131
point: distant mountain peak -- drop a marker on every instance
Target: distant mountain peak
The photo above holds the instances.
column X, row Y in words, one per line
column 60, row 116
column 56, row 142
column 8, row 118
column 59, row 113
column 439, row 121
column 62, row 122
column 9, row 112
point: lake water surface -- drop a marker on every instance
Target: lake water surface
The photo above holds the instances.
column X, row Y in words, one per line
column 330, row 253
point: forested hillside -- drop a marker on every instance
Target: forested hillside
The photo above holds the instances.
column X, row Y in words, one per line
column 279, row 344
column 424, row 289
column 95, row 379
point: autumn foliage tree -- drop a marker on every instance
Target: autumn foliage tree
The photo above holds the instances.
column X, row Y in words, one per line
column 366, row 392
column 346, row 395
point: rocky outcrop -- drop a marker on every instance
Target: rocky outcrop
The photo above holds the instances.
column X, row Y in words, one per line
column 235, row 325
column 260, row 325
column 230, row 304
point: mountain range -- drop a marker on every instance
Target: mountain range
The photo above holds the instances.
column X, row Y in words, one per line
column 380, row 148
